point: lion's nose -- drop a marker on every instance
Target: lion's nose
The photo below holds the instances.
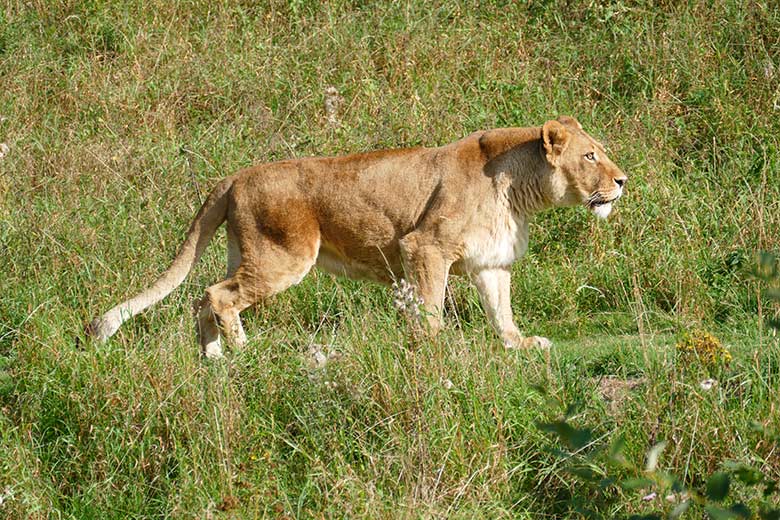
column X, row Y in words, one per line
column 620, row 182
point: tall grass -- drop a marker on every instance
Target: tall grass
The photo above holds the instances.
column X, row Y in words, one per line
column 120, row 116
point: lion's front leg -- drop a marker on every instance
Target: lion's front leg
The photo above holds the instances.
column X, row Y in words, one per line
column 493, row 288
column 427, row 269
column 212, row 327
column 208, row 330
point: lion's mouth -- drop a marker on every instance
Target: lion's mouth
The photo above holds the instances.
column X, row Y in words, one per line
column 597, row 199
column 600, row 205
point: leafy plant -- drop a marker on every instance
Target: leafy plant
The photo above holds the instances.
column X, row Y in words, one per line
column 603, row 467
column 704, row 347
column 768, row 270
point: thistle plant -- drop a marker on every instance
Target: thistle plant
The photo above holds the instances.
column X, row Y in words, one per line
column 405, row 299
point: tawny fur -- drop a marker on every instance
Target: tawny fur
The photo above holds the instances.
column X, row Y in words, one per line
column 419, row 213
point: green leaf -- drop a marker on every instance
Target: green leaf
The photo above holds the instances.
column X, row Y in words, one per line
column 573, row 409
column 5, row 362
column 616, row 449
column 717, row 513
column 585, row 473
column 770, row 514
column 767, row 268
column 745, row 473
column 669, row 480
column 757, row 427
column 607, row 482
column 741, row 510
column 653, row 454
column 636, row 483
column 539, row 389
column 718, row 486
column 575, row 438
column 617, row 445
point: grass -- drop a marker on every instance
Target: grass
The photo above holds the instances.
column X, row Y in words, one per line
column 119, row 117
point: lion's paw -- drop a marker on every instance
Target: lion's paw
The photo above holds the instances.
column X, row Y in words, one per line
column 539, row 342
column 213, row 350
column 520, row 342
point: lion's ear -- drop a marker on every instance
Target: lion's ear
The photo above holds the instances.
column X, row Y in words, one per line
column 570, row 121
column 556, row 138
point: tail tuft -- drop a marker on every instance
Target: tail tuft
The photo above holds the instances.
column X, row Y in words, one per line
column 102, row 328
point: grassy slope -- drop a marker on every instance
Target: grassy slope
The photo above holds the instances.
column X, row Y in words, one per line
column 119, row 118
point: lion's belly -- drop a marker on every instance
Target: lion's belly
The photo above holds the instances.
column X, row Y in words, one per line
column 332, row 262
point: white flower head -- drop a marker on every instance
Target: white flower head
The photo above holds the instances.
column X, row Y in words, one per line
column 405, row 298
column 707, row 384
column 769, row 70
column 6, row 496
column 333, row 103
column 320, row 356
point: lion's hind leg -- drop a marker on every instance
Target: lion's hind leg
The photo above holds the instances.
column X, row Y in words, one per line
column 266, row 268
column 208, row 330
column 233, row 263
column 219, row 316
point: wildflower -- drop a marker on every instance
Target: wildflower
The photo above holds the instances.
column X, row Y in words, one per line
column 447, row 384
column 319, row 359
column 707, row 384
column 6, row 495
column 405, row 300
column 769, row 70
column 705, row 347
column 677, row 497
column 333, row 102
column 650, row 496
column 320, row 355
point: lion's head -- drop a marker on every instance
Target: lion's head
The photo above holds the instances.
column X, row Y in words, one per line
column 583, row 174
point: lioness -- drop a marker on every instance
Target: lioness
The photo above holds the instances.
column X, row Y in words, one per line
column 419, row 213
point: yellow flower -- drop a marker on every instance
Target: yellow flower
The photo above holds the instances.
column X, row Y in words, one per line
column 705, row 347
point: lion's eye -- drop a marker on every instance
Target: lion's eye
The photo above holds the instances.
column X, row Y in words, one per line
column 590, row 156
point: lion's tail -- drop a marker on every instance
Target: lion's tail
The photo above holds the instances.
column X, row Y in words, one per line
column 211, row 215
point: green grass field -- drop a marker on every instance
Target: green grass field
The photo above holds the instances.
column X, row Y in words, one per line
column 118, row 117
